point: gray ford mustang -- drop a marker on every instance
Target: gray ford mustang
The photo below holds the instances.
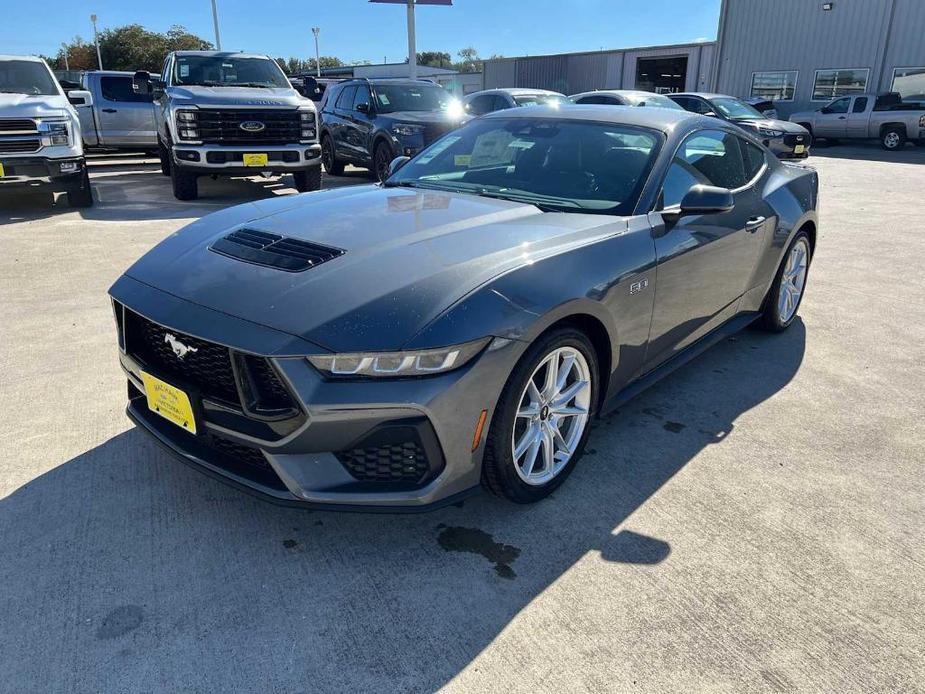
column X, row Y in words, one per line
column 396, row 346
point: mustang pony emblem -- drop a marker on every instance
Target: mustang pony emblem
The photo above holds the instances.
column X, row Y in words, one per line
column 178, row 347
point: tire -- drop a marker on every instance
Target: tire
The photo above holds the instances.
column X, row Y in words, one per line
column 81, row 195
column 501, row 473
column 308, row 180
column 164, row 155
column 329, row 158
column 185, row 184
column 893, row 139
column 776, row 317
column 382, row 157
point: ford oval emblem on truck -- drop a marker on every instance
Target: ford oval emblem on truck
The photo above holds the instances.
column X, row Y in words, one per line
column 252, row 126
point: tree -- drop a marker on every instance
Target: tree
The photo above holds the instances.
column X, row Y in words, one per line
column 435, row 59
column 80, row 56
column 130, row 47
column 296, row 66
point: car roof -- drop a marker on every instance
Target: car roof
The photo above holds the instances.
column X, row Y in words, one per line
column 223, row 54
column 663, row 119
column 391, row 80
column 618, row 92
column 29, row 58
column 704, row 95
column 515, row 91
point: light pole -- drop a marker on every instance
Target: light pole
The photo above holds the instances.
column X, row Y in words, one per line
column 412, row 50
column 64, row 48
column 96, row 40
column 218, row 39
column 316, row 31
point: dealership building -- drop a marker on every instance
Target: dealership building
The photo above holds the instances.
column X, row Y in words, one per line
column 798, row 53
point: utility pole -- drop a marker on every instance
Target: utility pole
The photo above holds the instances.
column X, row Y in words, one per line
column 96, row 40
column 218, row 38
column 316, row 31
column 64, row 48
column 412, row 50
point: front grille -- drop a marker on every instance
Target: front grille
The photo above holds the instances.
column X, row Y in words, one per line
column 222, row 126
column 272, row 250
column 238, row 157
column 398, row 462
column 24, row 125
column 794, row 140
column 246, row 455
column 20, row 146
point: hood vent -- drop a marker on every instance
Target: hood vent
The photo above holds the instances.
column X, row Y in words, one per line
column 274, row 251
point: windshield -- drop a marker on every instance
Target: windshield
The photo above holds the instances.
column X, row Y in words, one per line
column 26, row 77
column 228, row 71
column 734, row 109
column 557, row 165
column 656, row 100
column 392, row 98
column 540, row 99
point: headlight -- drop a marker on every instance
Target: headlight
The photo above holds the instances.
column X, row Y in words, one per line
column 308, row 125
column 54, row 133
column 407, row 129
column 425, row 362
column 768, row 132
column 187, row 124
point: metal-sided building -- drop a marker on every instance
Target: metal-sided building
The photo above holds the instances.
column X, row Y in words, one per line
column 684, row 67
column 803, row 53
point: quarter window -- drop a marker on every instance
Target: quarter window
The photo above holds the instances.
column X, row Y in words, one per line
column 481, row 104
column 708, row 157
column 754, row 159
column 775, row 86
column 120, row 89
column 832, row 83
column 860, row 105
column 909, row 82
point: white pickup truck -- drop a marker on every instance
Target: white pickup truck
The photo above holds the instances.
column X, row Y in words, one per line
column 40, row 141
column 867, row 116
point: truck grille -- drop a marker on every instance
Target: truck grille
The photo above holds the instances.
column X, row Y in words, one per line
column 223, row 126
column 25, row 126
column 19, row 146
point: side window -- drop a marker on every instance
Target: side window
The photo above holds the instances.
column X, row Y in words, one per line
column 708, row 157
column 120, row 89
column 838, row 106
column 684, row 102
column 702, row 107
column 481, row 104
column 345, row 99
column 500, row 103
column 362, row 96
column 860, row 105
column 754, row 159
column 598, row 99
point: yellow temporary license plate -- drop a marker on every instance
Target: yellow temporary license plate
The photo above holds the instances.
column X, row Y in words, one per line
column 169, row 402
column 1, row 171
column 255, row 160
column 799, row 149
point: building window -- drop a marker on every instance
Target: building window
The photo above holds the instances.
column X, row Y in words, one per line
column 909, row 82
column 774, row 86
column 832, row 83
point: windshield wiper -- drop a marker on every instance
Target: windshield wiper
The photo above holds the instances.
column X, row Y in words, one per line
column 542, row 202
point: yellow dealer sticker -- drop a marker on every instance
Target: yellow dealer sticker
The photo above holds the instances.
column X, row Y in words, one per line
column 255, row 160
column 799, row 149
column 1, row 171
column 170, row 403
column 462, row 159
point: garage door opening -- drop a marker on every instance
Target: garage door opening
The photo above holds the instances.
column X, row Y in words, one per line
column 661, row 75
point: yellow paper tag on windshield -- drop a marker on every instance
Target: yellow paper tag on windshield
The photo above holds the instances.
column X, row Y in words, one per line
column 462, row 159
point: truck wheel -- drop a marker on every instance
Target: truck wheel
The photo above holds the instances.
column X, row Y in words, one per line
column 308, row 180
column 329, row 159
column 185, row 184
column 80, row 194
column 164, row 155
column 892, row 139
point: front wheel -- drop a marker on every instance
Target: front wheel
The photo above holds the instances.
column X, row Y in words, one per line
column 80, row 194
column 893, row 139
column 542, row 419
column 308, row 180
column 783, row 299
column 329, row 159
column 164, row 155
column 185, row 184
column 382, row 157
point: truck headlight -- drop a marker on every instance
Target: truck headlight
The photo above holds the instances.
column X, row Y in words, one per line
column 407, row 129
column 308, row 126
column 425, row 362
column 54, row 133
column 187, row 124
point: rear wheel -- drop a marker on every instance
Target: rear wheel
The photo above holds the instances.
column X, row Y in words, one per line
column 185, row 184
column 542, row 419
column 309, row 180
column 329, row 159
column 382, row 157
column 783, row 300
column 80, row 194
column 893, row 139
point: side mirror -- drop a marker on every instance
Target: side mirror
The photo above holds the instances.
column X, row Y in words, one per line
column 701, row 199
column 397, row 163
column 825, row 109
column 141, row 82
column 362, row 108
column 79, row 97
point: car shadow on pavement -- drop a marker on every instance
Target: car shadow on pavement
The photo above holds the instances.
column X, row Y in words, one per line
column 123, row 570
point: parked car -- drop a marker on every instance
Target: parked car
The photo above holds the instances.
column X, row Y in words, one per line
column 764, row 106
column 118, row 118
column 368, row 122
column 786, row 140
column 624, row 97
column 887, row 118
column 40, row 141
column 488, row 100
column 399, row 345
column 230, row 114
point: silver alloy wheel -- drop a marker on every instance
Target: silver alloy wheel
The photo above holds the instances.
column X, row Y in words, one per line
column 552, row 414
column 793, row 280
column 891, row 140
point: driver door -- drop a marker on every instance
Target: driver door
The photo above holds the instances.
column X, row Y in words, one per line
column 704, row 262
column 833, row 119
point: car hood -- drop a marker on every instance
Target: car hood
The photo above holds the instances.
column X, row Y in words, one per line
column 238, row 96
column 37, row 106
column 424, row 117
column 409, row 255
column 803, row 115
column 774, row 124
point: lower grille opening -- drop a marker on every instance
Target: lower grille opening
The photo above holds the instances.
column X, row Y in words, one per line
column 402, row 454
column 243, row 460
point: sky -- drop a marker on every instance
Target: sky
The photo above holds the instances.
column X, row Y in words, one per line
column 355, row 30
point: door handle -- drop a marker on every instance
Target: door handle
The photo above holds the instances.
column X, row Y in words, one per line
column 842, row 118
column 754, row 223
column 110, row 110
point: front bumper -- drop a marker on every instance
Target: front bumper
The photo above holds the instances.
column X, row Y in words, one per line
column 332, row 456
column 785, row 146
column 42, row 172
column 228, row 160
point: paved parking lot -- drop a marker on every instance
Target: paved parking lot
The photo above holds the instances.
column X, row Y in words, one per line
column 753, row 523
